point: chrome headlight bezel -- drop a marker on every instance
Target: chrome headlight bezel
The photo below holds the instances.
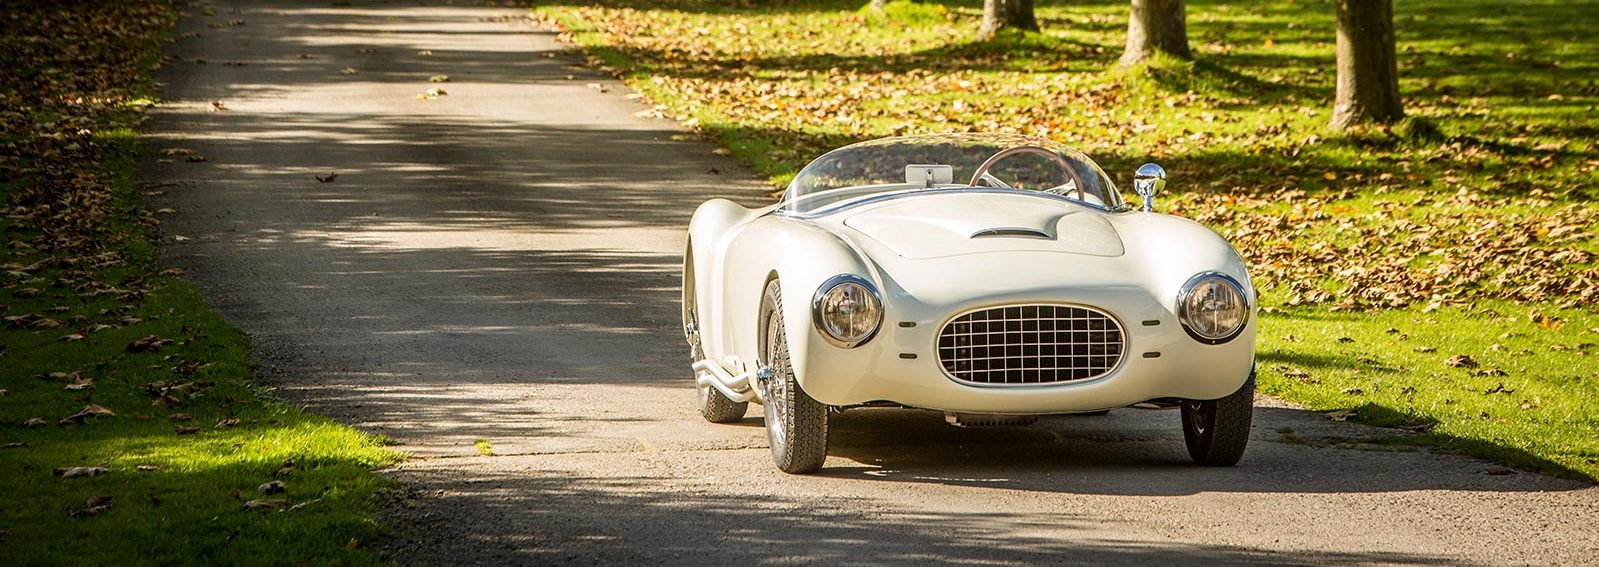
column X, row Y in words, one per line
column 819, row 303
column 1188, row 289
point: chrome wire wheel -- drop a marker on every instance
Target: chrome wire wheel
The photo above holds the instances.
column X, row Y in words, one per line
column 796, row 424
column 776, row 388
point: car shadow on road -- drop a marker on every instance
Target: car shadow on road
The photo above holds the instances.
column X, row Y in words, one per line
column 556, row 516
column 1141, row 452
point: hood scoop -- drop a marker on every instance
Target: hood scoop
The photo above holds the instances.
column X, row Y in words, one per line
column 937, row 225
column 1014, row 231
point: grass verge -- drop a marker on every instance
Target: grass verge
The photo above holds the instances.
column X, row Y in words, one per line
column 1470, row 220
column 132, row 430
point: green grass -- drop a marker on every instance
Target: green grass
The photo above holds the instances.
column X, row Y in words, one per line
column 1480, row 200
column 190, row 438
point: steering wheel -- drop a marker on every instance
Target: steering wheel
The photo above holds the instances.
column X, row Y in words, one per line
column 982, row 170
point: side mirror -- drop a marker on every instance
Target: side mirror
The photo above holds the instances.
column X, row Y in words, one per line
column 1147, row 181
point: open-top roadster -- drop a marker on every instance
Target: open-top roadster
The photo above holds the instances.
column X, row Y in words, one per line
column 993, row 278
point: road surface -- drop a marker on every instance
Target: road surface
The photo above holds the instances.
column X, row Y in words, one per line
column 500, row 263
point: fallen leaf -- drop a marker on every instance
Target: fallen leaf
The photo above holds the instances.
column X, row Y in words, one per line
column 15, row 446
column 263, row 504
column 1425, row 349
column 34, row 422
column 185, row 430
column 147, row 468
column 273, row 487
column 149, row 343
column 348, row 71
column 1341, row 415
column 94, row 505
column 74, row 472
column 180, row 417
column 329, row 178
column 1461, row 361
column 84, row 414
column 439, row 79
column 226, row 423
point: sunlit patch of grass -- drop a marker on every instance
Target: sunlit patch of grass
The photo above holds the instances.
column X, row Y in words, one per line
column 1529, row 395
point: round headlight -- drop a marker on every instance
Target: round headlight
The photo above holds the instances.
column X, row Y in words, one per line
column 1213, row 308
column 847, row 310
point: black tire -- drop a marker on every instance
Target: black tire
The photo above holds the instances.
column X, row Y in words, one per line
column 1217, row 431
column 717, row 408
column 714, row 407
column 796, row 424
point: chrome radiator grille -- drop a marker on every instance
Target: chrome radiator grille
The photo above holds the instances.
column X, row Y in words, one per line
column 1030, row 344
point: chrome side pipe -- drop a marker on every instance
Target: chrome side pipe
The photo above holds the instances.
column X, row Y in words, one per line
column 740, row 388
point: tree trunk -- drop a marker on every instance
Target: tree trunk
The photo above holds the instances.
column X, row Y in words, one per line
column 1368, row 74
column 1156, row 25
column 1000, row 14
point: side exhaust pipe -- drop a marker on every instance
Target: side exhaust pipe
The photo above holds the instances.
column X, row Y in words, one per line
column 740, row 388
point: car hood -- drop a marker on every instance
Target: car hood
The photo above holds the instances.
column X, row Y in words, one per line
column 942, row 225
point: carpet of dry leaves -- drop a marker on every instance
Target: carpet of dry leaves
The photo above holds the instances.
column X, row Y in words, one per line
column 1465, row 204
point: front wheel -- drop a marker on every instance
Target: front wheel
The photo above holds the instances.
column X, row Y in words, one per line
column 796, row 424
column 1217, row 431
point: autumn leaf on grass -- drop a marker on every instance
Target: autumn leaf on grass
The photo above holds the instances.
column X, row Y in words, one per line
column 273, row 487
column 34, row 422
column 95, row 505
column 226, row 423
column 84, row 414
column 149, row 343
column 180, row 417
column 185, row 430
column 80, row 383
column 73, row 472
column 1461, row 361
column 264, row 504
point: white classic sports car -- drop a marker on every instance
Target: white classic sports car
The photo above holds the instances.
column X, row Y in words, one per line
column 1026, row 288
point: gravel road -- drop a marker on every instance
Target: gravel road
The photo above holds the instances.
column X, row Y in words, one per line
column 500, row 263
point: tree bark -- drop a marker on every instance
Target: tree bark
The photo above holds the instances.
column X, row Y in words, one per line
column 1156, row 25
column 1001, row 14
column 1368, row 73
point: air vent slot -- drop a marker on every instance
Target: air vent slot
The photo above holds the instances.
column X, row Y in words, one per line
column 1012, row 231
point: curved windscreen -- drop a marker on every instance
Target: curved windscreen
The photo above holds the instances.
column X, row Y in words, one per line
column 947, row 161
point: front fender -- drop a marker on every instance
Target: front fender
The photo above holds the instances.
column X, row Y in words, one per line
column 802, row 256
